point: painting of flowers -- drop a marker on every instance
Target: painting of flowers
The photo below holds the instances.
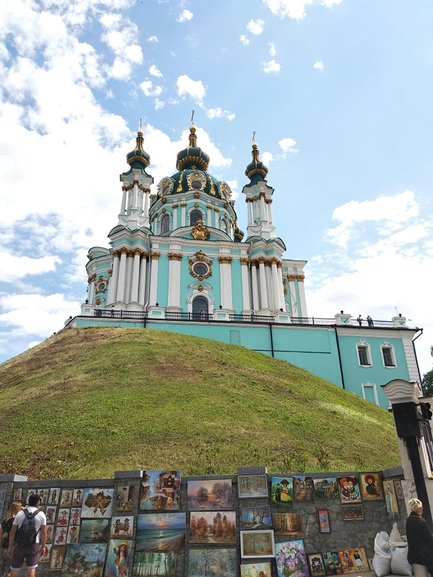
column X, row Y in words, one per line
column 291, row 559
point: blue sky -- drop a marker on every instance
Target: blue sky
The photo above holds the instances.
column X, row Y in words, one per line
column 339, row 93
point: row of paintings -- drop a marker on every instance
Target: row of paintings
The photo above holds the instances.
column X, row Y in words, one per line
column 92, row 502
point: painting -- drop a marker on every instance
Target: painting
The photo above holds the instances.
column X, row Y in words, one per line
column 53, row 496
column 398, row 489
column 409, row 489
column 97, row 503
column 332, row 563
column 259, row 517
column 326, row 488
column 281, row 490
column 77, row 498
column 123, row 498
column 222, row 561
column 354, row 560
column 391, row 499
column 73, row 534
column 287, row 524
column 371, row 486
column 122, row 527
column 44, row 557
column 257, row 544
column 50, row 513
column 63, row 517
column 66, row 498
column 57, row 555
column 60, row 536
column 160, row 491
column 349, row 489
column 303, row 489
column 85, row 559
column 152, row 564
column 212, row 527
column 291, row 559
column 50, row 534
column 352, row 512
column 75, row 516
column 94, row 530
column 117, row 562
column 210, row 495
column 256, row 569
column 160, row 532
column 323, row 519
column 17, row 495
column 252, row 486
column 316, row 565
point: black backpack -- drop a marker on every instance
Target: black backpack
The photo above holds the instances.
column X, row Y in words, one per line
column 26, row 534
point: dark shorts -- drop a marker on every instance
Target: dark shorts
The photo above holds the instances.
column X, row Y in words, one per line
column 28, row 554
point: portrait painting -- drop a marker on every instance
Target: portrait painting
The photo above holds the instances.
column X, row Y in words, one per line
column 326, row 488
column 122, row 527
column 371, row 486
column 66, row 498
column 222, row 561
column 316, row 565
column 259, row 517
column 75, row 516
column 391, row 499
column 303, row 489
column 210, row 494
column 281, row 491
column 252, row 486
column 123, row 498
column 398, row 489
column 324, row 522
column 97, row 503
column 118, row 556
column 160, row 532
column 287, row 524
column 212, row 527
column 50, row 513
column 354, row 560
column 60, row 536
column 332, row 563
column 44, row 557
column 73, row 535
column 256, row 569
column 349, row 489
column 353, row 512
column 77, row 498
column 50, row 534
column 94, row 530
column 57, row 555
column 152, row 564
column 160, row 491
column 54, row 496
column 291, row 559
column 85, row 559
column 257, row 544
column 63, row 517
column 43, row 494
column 17, row 495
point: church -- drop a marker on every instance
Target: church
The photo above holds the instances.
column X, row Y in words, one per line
column 178, row 261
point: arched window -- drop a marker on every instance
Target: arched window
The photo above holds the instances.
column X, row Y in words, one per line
column 195, row 216
column 223, row 225
column 165, row 224
column 200, row 308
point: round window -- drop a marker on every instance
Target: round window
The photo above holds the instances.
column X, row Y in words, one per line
column 196, row 184
column 101, row 286
column 200, row 268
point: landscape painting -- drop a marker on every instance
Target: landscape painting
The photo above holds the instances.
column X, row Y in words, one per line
column 349, row 489
column 160, row 532
column 291, row 559
column 316, row 564
column 303, row 489
column 218, row 562
column 287, row 524
column 117, row 562
column 252, row 486
column 97, row 503
column 326, row 488
column 256, row 569
column 123, row 498
column 371, row 486
column 212, row 527
column 210, row 495
column 332, row 563
column 257, row 544
column 94, row 530
column 259, row 517
column 160, row 491
column 85, row 559
column 152, row 564
column 281, row 490
column 122, row 527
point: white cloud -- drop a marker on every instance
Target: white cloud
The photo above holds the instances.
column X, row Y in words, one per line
column 13, row 267
column 318, row 65
column 154, row 71
column 272, row 49
column 331, row 3
column 287, row 145
column 153, row 39
column 271, row 67
column 188, row 87
column 220, row 113
column 149, row 89
column 185, row 16
column 255, row 27
column 244, row 39
column 295, row 9
column 267, row 158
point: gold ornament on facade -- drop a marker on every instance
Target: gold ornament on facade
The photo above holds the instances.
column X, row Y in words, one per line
column 174, row 256
column 200, row 232
column 196, row 194
column 98, row 301
column 225, row 259
column 179, row 186
column 200, row 266
column 200, row 288
column 165, row 186
column 244, row 261
column 196, row 180
column 298, row 277
column 110, row 272
column 155, row 255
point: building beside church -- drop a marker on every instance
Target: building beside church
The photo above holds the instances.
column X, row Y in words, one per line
column 178, row 261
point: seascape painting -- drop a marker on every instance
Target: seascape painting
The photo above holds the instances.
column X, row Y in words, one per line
column 94, row 530
column 160, row 532
column 210, row 495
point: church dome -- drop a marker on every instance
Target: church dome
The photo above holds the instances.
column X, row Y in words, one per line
column 256, row 170
column 138, row 158
column 192, row 156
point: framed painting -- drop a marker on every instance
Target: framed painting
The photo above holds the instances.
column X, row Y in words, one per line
column 303, row 489
column 332, row 563
column 43, row 494
column 17, row 495
column 371, row 486
column 252, row 486
column 97, row 503
column 398, row 489
column 117, row 562
column 50, row 534
column 122, row 527
column 324, row 522
column 85, row 559
column 210, row 495
column 281, row 491
column 259, row 517
column 409, row 489
column 257, row 544
column 352, row 512
column 222, row 561
column 354, row 560
column 287, row 524
column 60, row 536
column 160, row 532
column 160, row 491
column 77, row 498
column 66, row 498
column 57, row 555
column 162, row 564
column 63, row 517
column 123, row 498
column 391, row 499
column 50, row 513
column 44, row 557
column 73, row 534
column 316, row 565
column 256, row 569
column 291, row 559
column 326, row 488
column 75, row 516
column 349, row 489
column 212, row 527
column 94, row 530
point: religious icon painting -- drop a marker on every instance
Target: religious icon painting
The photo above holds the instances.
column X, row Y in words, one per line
column 17, row 495
column 281, row 491
column 73, row 534
column 210, row 494
column 77, row 497
column 291, row 559
column 316, row 565
column 50, row 534
column 252, row 486
column 391, row 499
column 256, row 569
column 259, row 517
column 123, row 498
column 94, row 530
column 287, row 524
column 85, row 559
column 371, row 486
column 353, row 512
column 44, row 557
column 354, row 560
column 160, row 491
column 161, row 532
column 222, row 561
column 63, row 517
column 122, row 527
column 97, row 503
column 60, row 536
column 54, row 496
column 212, row 527
column 118, row 556
column 349, row 489
column 303, row 489
column 323, row 519
column 50, row 513
column 332, row 563
column 57, row 556
column 326, row 488
column 75, row 517
column 398, row 489
column 66, row 498
column 257, row 544
column 161, row 564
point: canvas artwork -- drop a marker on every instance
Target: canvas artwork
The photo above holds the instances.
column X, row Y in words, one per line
column 75, row 516
column 122, row 527
column 77, row 498
column 316, row 564
column 391, row 499
column 323, row 519
column 63, row 517
column 57, row 556
column 281, row 490
column 50, row 534
column 123, row 498
column 160, row 532
column 398, row 489
column 212, row 527
column 257, row 544
column 332, row 563
column 94, row 530
column 60, row 536
column 66, row 498
column 252, row 486
column 54, row 496
column 291, row 559
column 73, row 534
column 287, row 524
column 44, row 557
column 17, row 495
column 303, row 489
column 256, row 569
column 117, row 562
column 353, row 560
column 326, row 488
column 152, row 564
column 349, row 489
column 210, row 495
column 371, row 486
column 352, row 512
column 409, row 489
column 85, row 559
column 222, row 561
column 259, row 517
column 97, row 503
column 51, row 513
column 160, row 491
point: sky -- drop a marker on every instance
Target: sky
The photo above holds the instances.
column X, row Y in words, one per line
column 338, row 92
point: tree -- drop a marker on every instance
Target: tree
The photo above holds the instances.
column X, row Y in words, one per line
column 427, row 384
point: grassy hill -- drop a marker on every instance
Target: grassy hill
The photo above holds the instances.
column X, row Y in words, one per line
column 88, row 402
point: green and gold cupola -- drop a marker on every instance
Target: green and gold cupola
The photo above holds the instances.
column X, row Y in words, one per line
column 256, row 170
column 138, row 158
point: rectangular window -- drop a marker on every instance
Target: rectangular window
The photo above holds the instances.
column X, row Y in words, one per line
column 363, row 355
column 388, row 359
column 369, row 392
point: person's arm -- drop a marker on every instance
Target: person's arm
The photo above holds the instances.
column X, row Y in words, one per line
column 12, row 540
column 43, row 537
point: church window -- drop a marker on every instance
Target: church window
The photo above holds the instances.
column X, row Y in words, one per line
column 364, row 357
column 200, row 269
column 195, row 216
column 196, row 184
column 200, row 308
column 388, row 355
column 165, row 224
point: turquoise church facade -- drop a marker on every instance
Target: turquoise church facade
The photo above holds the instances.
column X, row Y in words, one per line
column 178, row 261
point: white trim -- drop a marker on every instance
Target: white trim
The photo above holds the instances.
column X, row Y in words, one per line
column 388, row 346
column 365, row 345
column 372, row 386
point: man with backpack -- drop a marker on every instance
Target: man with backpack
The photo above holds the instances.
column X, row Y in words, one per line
column 27, row 538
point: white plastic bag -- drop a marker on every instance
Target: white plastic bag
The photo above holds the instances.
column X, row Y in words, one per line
column 382, row 554
column 399, row 563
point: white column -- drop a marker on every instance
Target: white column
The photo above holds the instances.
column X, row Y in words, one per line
column 275, row 283
column 262, row 207
column 246, row 301
column 128, row 277
column 254, row 282
column 250, row 213
column 269, row 205
column 121, row 279
column 146, row 201
column 112, row 288
column 142, row 280
column 183, row 214
column 175, row 211
column 269, row 286
column 153, row 293
column 263, row 286
column 123, row 205
column 280, row 286
column 135, row 276
column 91, row 289
column 226, row 281
column 303, row 302
column 209, row 216
column 174, row 265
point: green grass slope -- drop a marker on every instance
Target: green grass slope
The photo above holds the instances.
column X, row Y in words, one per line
column 88, row 402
